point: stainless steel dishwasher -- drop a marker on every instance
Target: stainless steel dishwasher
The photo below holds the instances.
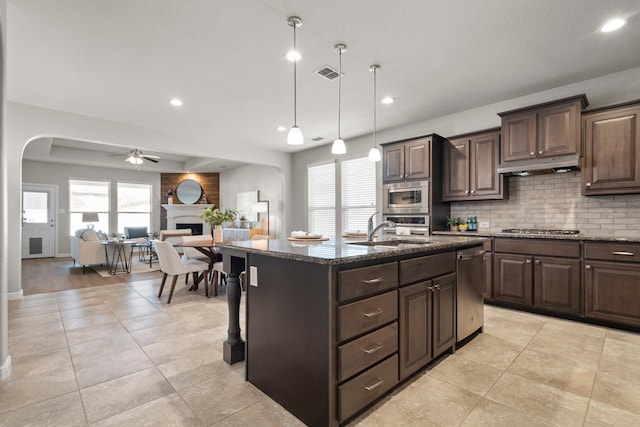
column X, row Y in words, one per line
column 470, row 268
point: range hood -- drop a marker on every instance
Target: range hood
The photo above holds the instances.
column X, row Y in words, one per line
column 541, row 165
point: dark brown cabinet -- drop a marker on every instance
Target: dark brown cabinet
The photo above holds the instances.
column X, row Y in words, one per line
column 407, row 160
column 612, row 282
column 544, row 130
column 612, row 151
column 513, row 279
column 537, row 273
column 470, row 167
column 427, row 310
column 488, row 270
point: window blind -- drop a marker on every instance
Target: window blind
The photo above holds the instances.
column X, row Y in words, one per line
column 321, row 195
column 88, row 196
column 134, row 205
column 358, row 188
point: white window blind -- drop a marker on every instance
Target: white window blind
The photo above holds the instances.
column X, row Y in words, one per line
column 358, row 188
column 134, row 205
column 321, row 194
column 88, row 196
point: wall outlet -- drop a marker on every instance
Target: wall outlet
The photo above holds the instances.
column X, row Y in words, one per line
column 253, row 276
column 484, row 224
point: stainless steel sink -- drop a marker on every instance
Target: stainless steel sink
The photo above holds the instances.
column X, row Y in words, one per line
column 392, row 242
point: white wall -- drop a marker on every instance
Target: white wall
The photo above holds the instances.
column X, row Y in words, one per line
column 606, row 90
column 271, row 184
column 56, row 174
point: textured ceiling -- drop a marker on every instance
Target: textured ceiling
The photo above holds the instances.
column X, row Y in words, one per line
column 122, row 60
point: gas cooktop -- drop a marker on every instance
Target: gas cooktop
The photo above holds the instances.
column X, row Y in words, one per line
column 538, row 231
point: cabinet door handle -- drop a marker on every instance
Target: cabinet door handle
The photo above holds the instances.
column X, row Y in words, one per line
column 587, row 267
column 375, row 385
column 430, row 288
column 537, row 261
column 540, row 152
column 436, row 287
column 473, row 191
column 373, row 349
column 528, row 261
column 588, row 184
column 459, row 146
column 374, row 313
column 372, row 281
column 532, row 153
column 466, row 191
column 623, row 253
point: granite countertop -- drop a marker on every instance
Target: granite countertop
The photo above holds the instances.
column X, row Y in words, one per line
column 579, row 237
column 341, row 250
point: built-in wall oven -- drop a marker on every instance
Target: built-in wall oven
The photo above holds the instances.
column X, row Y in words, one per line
column 406, row 198
column 414, row 224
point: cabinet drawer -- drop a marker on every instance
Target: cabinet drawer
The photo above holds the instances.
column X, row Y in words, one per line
column 361, row 282
column 545, row 247
column 367, row 387
column 612, row 251
column 488, row 245
column 418, row 269
column 366, row 315
column 365, row 351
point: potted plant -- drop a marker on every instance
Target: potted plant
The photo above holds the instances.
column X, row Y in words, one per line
column 170, row 193
column 215, row 218
column 453, row 223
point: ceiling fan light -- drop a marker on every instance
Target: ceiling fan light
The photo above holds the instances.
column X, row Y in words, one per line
column 374, row 155
column 295, row 136
column 134, row 160
column 338, row 147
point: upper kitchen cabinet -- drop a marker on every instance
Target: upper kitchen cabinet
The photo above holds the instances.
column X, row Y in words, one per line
column 612, row 151
column 470, row 167
column 542, row 133
column 407, row 160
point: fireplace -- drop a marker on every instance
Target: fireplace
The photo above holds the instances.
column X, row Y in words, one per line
column 178, row 215
column 196, row 227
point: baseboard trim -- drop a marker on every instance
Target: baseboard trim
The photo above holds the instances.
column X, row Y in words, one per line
column 15, row 295
column 5, row 369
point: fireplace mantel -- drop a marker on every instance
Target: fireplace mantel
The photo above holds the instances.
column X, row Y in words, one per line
column 181, row 213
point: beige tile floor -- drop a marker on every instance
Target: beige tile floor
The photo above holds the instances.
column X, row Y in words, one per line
column 115, row 355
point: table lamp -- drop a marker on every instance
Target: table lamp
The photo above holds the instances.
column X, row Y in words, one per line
column 90, row 217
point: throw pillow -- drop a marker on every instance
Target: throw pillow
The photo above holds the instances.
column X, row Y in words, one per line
column 90, row 235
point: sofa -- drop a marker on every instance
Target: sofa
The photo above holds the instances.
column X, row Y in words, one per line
column 86, row 248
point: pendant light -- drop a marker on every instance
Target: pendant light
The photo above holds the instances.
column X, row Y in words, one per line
column 295, row 134
column 338, row 146
column 374, row 153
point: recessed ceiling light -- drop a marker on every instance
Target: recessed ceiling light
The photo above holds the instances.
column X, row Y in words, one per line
column 612, row 25
column 387, row 100
column 281, row 128
column 176, row 102
column 294, row 56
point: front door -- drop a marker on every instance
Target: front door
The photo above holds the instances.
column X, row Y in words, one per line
column 39, row 226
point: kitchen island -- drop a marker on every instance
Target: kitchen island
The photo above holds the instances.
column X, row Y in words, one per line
column 332, row 325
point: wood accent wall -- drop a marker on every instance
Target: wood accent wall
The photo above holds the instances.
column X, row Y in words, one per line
column 210, row 183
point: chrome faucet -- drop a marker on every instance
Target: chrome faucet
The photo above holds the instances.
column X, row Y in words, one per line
column 370, row 224
column 378, row 227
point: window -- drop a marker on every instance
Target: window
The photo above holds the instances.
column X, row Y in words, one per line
column 358, row 188
column 88, row 196
column 354, row 183
column 134, row 205
column 321, row 196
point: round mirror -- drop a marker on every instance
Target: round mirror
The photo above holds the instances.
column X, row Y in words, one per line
column 189, row 191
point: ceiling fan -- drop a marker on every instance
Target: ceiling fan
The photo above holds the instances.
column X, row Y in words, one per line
column 137, row 157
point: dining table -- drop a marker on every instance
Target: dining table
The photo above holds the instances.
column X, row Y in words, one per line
column 205, row 246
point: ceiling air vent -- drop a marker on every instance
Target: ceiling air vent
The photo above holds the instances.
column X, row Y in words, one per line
column 328, row 73
column 317, row 138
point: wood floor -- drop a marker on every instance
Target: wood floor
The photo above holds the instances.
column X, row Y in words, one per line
column 57, row 274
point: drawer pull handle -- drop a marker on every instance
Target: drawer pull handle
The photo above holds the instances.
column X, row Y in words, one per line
column 373, row 349
column 374, row 313
column 375, row 385
column 372, row 281
column 623, row 253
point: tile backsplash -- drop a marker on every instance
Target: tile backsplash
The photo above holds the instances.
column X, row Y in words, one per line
column 554, row 201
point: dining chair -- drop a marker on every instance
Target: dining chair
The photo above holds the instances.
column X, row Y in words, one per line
column 172, row 265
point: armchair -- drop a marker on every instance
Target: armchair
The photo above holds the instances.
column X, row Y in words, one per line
column 86, row 248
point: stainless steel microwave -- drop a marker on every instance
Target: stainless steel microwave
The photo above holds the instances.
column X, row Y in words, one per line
column 406, row 197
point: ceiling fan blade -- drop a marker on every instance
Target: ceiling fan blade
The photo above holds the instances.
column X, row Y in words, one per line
column 151, row 159
column 147, row 156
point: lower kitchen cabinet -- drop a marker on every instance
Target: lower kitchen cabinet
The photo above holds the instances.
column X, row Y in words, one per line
column 513, row 279
column 557, row 285
column 427, row 322
column 612, row 282
column 537, row 273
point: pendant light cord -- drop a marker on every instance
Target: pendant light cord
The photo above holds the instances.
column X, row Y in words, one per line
column 374, row 106
column 339, row 87
column 295, row 80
